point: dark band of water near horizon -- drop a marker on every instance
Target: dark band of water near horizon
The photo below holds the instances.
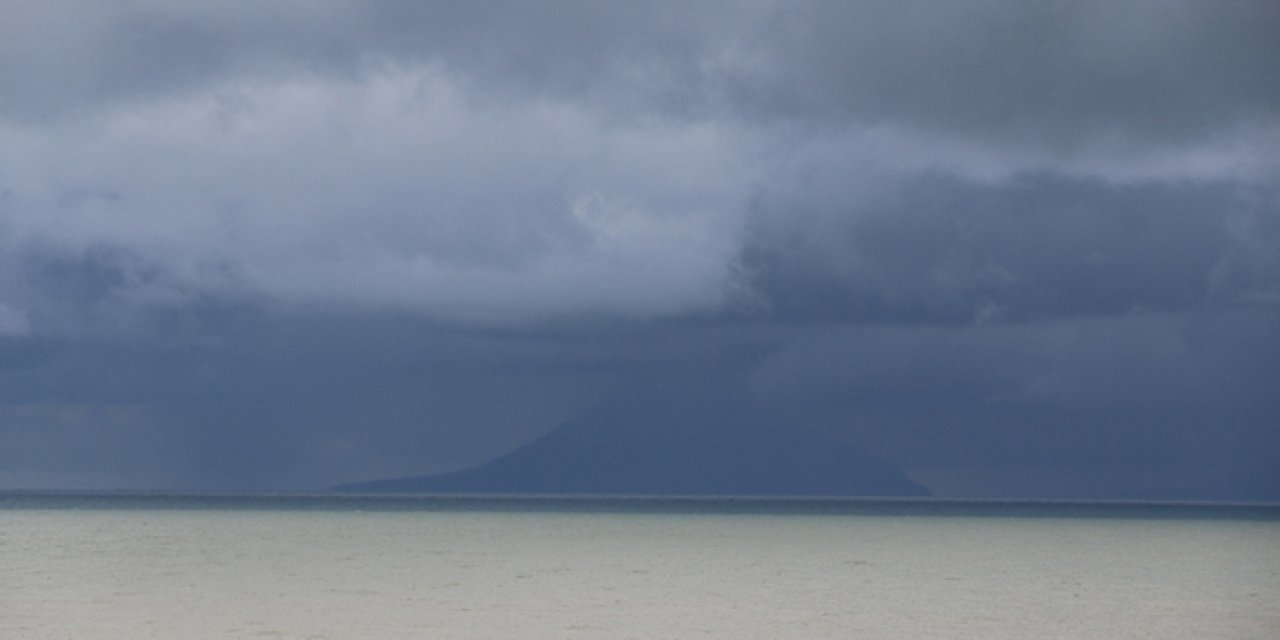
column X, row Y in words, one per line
column 638, row 504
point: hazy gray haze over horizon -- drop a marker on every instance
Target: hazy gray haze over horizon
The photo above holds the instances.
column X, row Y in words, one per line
column 1020, row 249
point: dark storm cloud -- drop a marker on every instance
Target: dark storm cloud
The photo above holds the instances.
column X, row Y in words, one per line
column 65, row 56
column 1055, row 73
column 1138, row 406
column 278, row 244
column 300, row 402
column 517, row 160
column 935, row 248
column 1167, row 68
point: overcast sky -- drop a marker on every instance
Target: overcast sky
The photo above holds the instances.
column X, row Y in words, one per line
column 1019, row 248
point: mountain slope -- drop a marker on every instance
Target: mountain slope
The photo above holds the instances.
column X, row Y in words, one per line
column 681, row 446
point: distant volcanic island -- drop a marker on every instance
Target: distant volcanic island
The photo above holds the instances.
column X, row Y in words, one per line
column 676, row 448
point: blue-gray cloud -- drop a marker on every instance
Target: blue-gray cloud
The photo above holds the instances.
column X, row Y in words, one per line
column 518, row 161
column 364, row 236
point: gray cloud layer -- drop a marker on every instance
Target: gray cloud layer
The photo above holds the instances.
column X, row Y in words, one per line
column 992, row 179
column 492, row 161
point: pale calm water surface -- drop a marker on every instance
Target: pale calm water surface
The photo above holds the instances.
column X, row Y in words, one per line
column 292, row 568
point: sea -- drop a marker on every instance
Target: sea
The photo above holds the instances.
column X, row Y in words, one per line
column 322, row 567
